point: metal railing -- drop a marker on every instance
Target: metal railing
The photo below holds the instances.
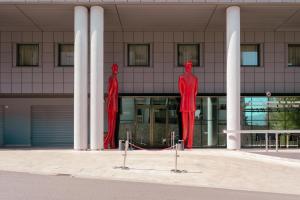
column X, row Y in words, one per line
column 266, row 132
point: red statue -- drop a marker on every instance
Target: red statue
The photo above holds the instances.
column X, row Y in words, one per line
column 112, row 108
column 188, row 88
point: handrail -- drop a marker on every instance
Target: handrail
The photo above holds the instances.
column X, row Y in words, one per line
column 266, row 132
column 261, row 131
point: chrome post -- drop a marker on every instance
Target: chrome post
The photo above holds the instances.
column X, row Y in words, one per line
column 267, row 141
column 176, row 156
column 276, row 138
column 173, row 139
column 125, row 154
column 176, row 170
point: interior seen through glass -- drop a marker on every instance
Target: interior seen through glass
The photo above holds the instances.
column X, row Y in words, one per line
column 150, row 120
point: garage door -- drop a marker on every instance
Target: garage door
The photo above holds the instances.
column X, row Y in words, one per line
column 52, row 126
column 1, row 125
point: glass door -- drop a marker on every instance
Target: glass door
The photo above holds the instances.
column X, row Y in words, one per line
column 142, row 125
column 151, row 126
column 158, row 131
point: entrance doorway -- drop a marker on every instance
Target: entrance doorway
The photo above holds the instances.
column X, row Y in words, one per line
column 151, row 126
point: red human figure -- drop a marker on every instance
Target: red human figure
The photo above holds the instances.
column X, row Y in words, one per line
column 112, row 108
column 188, row 88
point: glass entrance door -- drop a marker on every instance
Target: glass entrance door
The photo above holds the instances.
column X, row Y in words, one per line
column 151, row 126
column 158, row 135
column 142, row 125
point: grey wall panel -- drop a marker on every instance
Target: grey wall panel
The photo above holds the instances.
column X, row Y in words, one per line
column 52, row 125
column 17, row 121
column 1, row 125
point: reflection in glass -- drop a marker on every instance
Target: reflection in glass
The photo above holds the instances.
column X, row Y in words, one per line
column 250, row 55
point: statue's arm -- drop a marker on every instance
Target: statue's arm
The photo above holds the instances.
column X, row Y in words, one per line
column 196, row 88
column 180, row 86
column 111, row 88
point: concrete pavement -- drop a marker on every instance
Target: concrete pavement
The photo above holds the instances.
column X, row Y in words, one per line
column 22, row 186
column 235, row 170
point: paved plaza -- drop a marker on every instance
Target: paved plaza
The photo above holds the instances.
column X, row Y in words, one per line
column 219, row 168
column 22, row 186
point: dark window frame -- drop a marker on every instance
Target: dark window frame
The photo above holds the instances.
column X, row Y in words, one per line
column 18, row 54
column 292, row 45
column 258, row 55
column 139, row 44
column 59, row 56
column 198, row 54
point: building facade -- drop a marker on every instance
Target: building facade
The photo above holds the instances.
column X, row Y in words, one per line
column 55, row 60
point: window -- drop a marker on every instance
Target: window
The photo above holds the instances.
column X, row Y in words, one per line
column 294, row 55
column 66, row 54
column 27, row 54
column 188, row 52
column 138, row 55
column 250, row 55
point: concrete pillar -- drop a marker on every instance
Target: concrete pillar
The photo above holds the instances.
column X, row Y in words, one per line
column 233, row 76
column 209, row 122
column 97, row 78
column 80, row 77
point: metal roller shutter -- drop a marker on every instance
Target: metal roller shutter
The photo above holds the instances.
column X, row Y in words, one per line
column 1, row 125
column 52, row 126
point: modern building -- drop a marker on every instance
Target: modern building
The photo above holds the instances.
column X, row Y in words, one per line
column 55, row 60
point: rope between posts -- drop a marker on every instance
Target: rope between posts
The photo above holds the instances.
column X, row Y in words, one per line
column 137, row 147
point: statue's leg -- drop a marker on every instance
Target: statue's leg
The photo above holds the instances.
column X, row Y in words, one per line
column 185, row 127
column 108, row 138
column 113, row 130
column 191, row 130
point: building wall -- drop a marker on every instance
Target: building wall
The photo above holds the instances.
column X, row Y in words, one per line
column 161, row 77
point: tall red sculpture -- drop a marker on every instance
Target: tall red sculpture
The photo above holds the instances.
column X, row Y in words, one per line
column 188, row 88
column 112, row 107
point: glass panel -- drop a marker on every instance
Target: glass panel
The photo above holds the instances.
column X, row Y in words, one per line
column 159, row 101
column 138, row 55
column 293, row 55
column 142, row 130
column 188, row 52
column 66, row 54
column 28, row 54
column 127, row 117
column 222, row 138
column 159, row 127
column 198, row 126
column 142, row 100
column 173, row 121
column 250, row 55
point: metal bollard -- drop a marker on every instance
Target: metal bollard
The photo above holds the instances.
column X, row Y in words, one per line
column 129, row 137
column 126, row 145
column 267, row 141
column 176, row 170
column 121, row 145
column 173, row 139
column 276, row 139
column 181, row 145
column 125, row 155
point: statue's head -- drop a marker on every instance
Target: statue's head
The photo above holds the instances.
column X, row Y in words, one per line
column 188, row 66
column 114, row 68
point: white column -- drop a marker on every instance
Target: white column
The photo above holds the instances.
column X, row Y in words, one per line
column 80, row 77
column 209, row 122
column 233, row 75
column 97, row 78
